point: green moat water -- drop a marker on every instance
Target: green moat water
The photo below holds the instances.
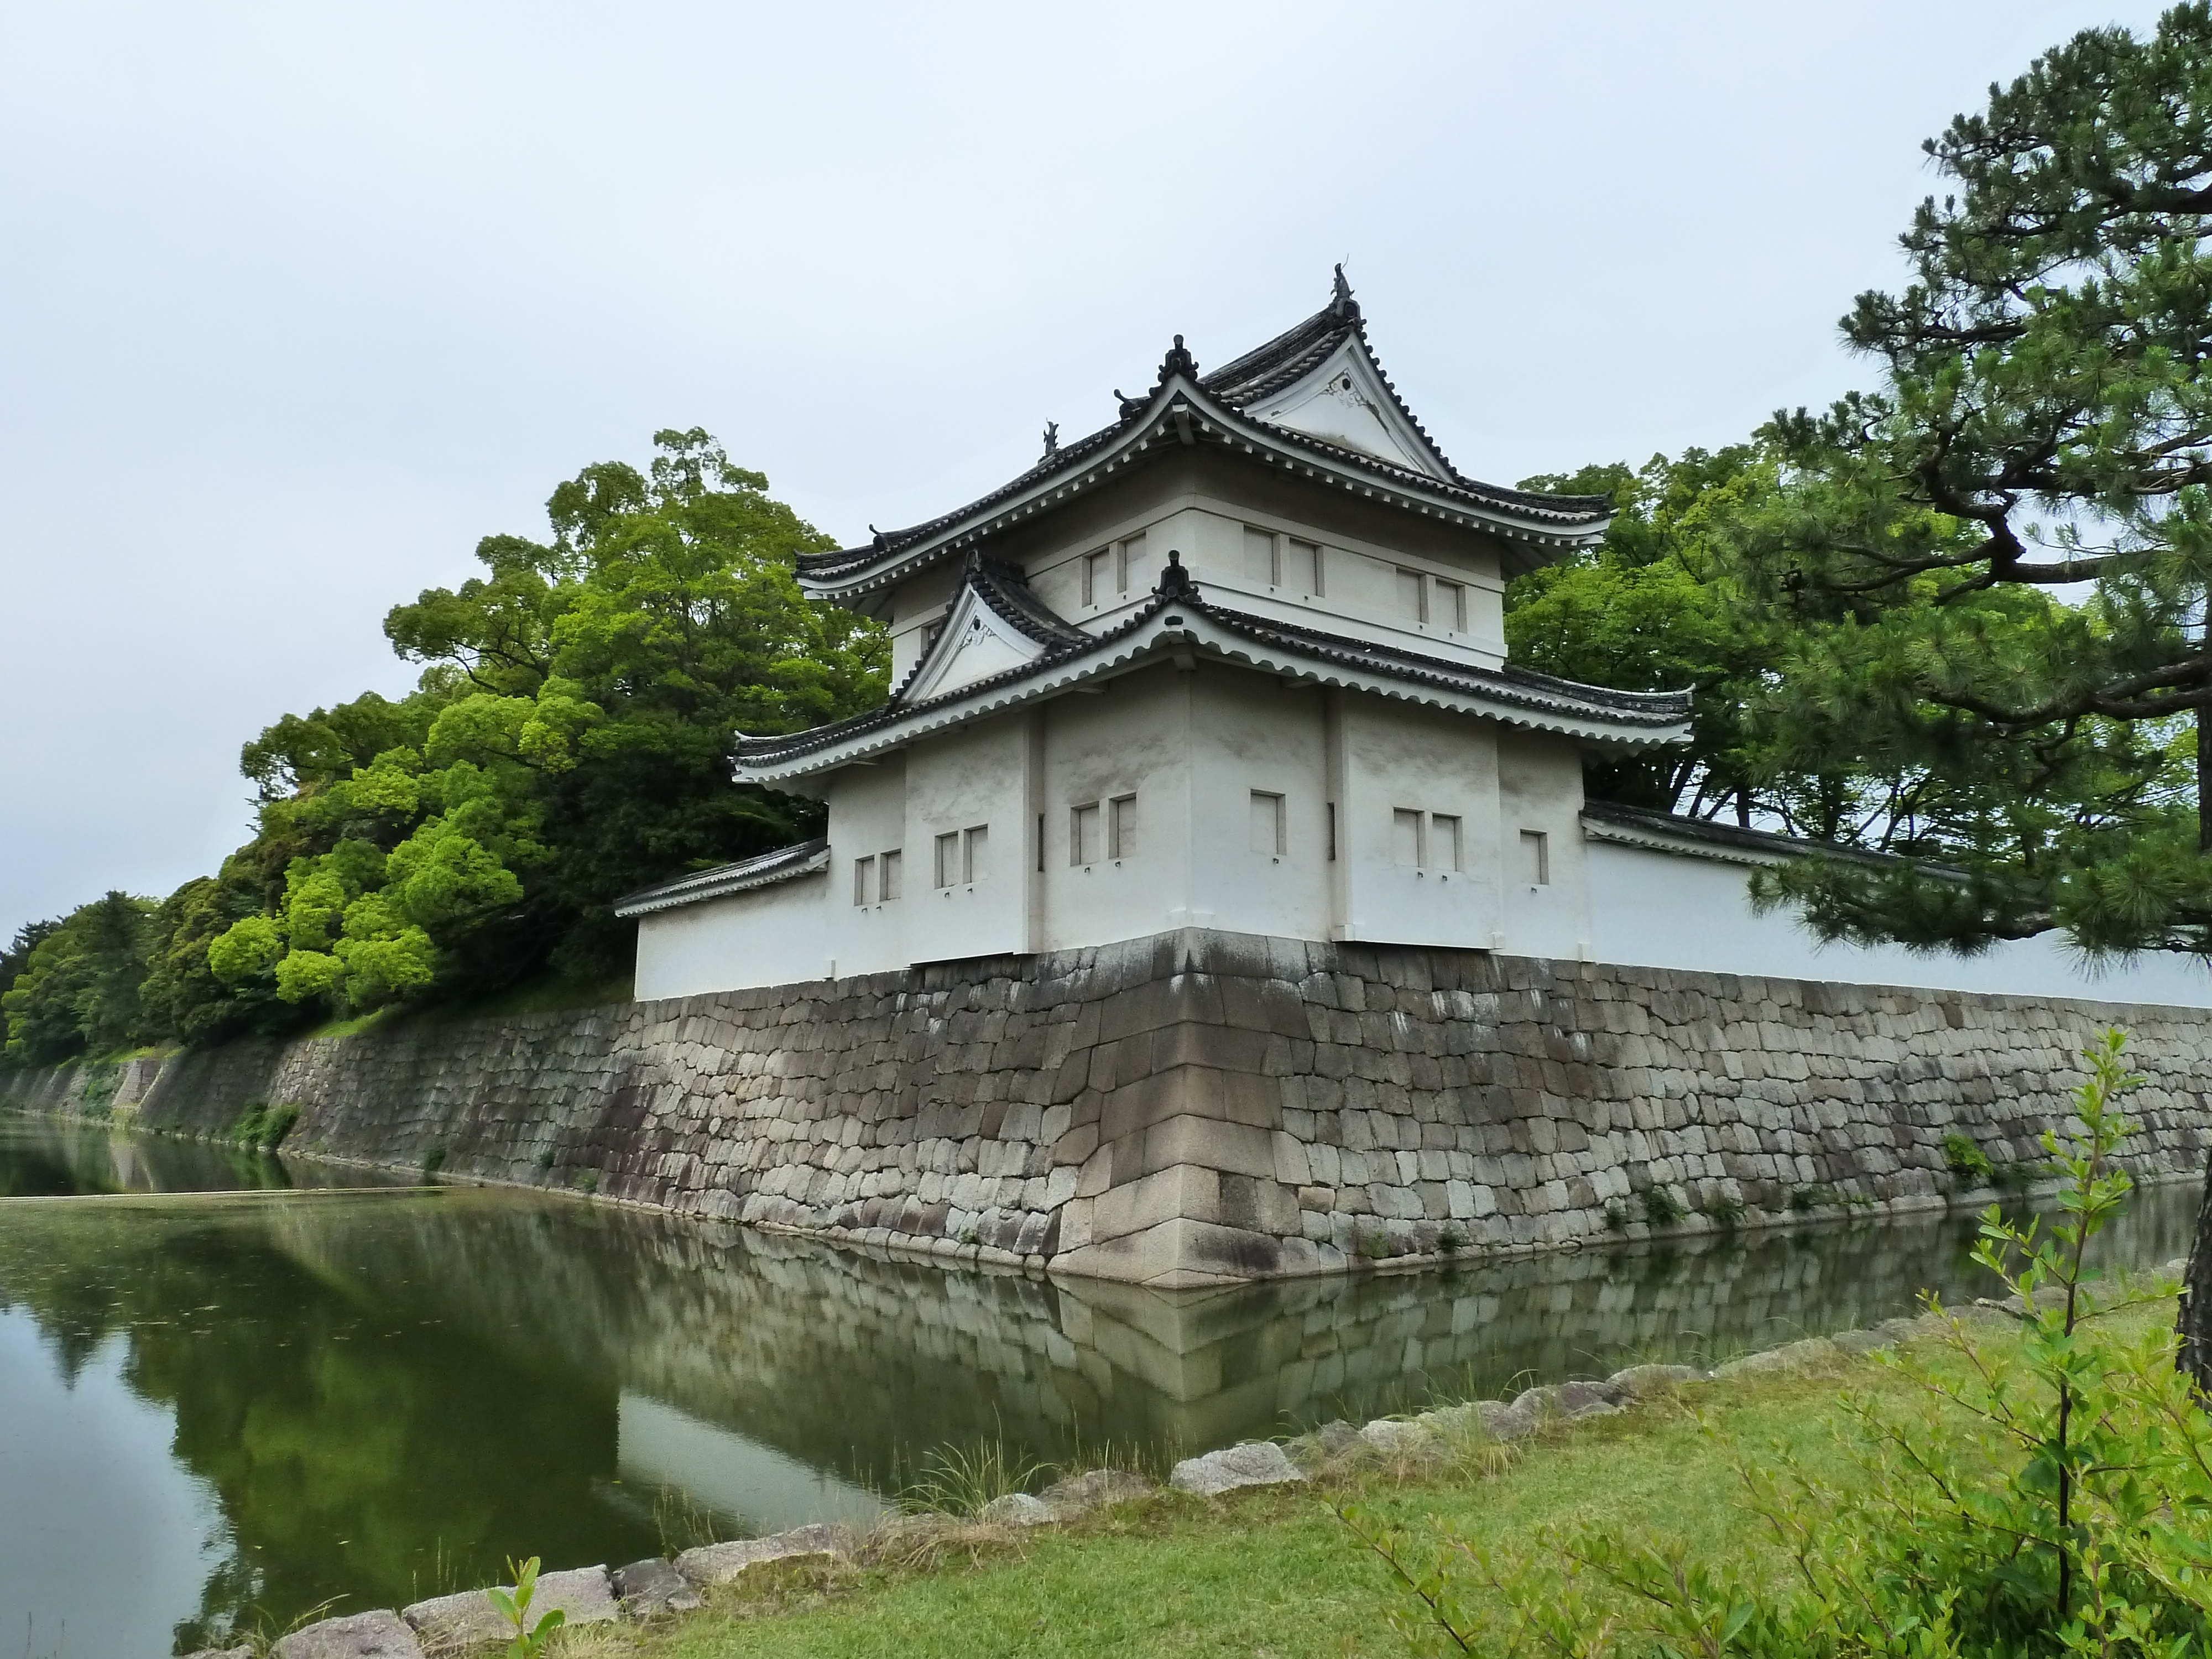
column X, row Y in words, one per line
column 234, row 1388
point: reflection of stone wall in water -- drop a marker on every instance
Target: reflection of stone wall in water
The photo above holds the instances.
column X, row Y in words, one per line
column 1194, row 1107
column 849, row 1362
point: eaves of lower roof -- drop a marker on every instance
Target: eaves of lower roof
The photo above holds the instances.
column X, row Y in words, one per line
column 1182, row 624
column 785, row 864
column 1726, row 843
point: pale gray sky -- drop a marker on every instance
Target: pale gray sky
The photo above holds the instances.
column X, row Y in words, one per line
column 301, row 300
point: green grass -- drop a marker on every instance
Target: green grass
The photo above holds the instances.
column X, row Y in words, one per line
column 1268, row 1573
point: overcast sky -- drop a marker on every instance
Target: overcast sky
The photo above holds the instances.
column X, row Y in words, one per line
column 301, row 300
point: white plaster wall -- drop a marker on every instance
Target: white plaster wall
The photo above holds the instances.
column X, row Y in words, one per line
column 1541, row 788
column 955, row 781
column 1388, row 755
column 771, row 936
column 1250, row 732
column 1131, row 738
column 1675, row 910
column 867, row 818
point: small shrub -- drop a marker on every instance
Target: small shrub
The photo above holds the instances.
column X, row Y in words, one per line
column 587, row 1181
column 1450, row 1242
column 1967, row 1160
column 514, row 1607
column 1805, row 1199
column 969, row 1234
column 1661, row 1207
column 263, row 1127
column 1726, row 1210
column 544, row 1159
column 434, row 1160
column 1616, row 1215
column 1372, row 1246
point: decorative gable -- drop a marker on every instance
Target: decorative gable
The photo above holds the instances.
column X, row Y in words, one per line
column 1344, row 402
column 995, row 623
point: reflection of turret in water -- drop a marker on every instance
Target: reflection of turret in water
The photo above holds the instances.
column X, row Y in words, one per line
column 855, row 1364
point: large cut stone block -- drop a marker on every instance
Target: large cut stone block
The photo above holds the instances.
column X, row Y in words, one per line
column 379, row 1635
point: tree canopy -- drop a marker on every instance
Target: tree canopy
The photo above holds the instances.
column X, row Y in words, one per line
column 1995, row 562
column 566, row 742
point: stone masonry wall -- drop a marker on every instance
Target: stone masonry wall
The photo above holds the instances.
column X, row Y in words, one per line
column 1195, row 1106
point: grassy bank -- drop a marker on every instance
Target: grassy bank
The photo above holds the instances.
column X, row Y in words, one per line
column 1273, row 1572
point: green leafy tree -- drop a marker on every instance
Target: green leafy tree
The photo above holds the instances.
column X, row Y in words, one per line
column 2000, row 557
column 567, row 742
column 79, row 991
column 1654, row 609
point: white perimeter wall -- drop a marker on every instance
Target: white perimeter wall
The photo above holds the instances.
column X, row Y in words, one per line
column 770, row 936
column 1676, row 910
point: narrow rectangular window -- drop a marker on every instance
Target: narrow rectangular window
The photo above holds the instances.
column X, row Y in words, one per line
column 1302, row 567
column 1259, row 557
column 894, row 873
column 1413, row 596
column 1451, row 606
column 1332, row 832
column 1082, row 843
column 1536, row 858
column 1267, row 828
column 1130, row 571
column 1405, row 839
column 1040, row 843
column 1122, row 831
column 864, row 876
column 971, row 853
column 948, row 858
column 1098, row 576
column 1445, row 843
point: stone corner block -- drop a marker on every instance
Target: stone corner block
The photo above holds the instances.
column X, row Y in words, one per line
column 382, row 1634
column 1017, row 1508
column 1254, row 1463
column 718, row 1564
column 649, row 1589
column 1096, row 1488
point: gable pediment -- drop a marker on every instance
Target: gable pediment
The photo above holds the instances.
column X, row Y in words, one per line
column 974, row 643
column 1344, row 402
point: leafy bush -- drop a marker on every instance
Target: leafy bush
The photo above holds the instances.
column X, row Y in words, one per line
column 2074, row 1517
column 264, row 1126
column 1661, row 1207
column 1967, row 1160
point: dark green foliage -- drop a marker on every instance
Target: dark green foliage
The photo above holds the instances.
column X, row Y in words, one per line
column 1656, row 608
column 1965, row 1159
column 567, row 742
column 434, row 1160
column 79, row 989
column 2042, row 423
column 1661, row 1207
column 264, row 1126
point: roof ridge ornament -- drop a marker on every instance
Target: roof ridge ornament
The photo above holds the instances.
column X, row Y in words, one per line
column 1177, row 361
column 1341, row 305
column 1051, row 440
column 1175, row 581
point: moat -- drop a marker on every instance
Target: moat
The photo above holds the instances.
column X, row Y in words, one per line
column 243, row 1386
